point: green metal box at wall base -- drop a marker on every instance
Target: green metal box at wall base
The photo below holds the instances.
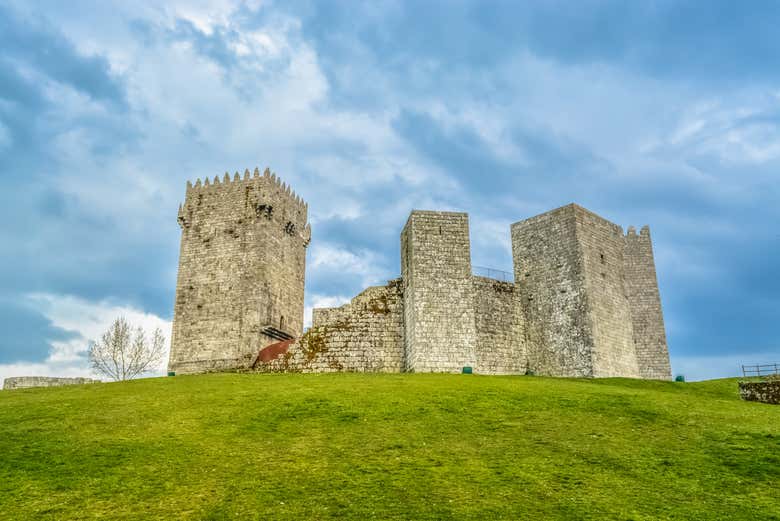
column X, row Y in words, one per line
column 467, row 370
column 171, row 373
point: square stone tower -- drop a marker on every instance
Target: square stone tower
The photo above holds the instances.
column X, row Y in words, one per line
column 439, row 322
column 241, row 271
column 644, row 301
column 569, row 271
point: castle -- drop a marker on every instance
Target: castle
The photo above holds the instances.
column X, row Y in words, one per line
column 584, row 301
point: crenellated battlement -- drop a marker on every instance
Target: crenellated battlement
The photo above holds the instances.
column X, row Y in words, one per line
column 253, row 195
column 267, row 180
column 644, row 232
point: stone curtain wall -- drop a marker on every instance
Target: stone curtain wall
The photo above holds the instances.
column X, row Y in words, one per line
column 364, row 335
column 440, row 330
column 367, row 334
column 550, row 280
column 601, row 245
column 645, row 304
column 241, row 268
column 500, row 347
column 24, row 382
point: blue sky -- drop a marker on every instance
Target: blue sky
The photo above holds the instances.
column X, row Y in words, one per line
column 659, row 113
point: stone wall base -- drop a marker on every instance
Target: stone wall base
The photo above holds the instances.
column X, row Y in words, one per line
column 765, row 392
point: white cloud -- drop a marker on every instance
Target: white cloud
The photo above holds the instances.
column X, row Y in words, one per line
column 738, row 128
column 364, row 264
column 491, row 234
column 89, row 320
column 197, row 118
column 205, row 15
column 321, row 301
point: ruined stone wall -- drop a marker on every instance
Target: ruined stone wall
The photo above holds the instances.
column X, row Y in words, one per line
column 440, row 329
column 550, row 281
column 241, row 270
column 24, row 382
column 767, row 391
column 601, row 245
column 365, row 335
column 499, row 347
column 645, row 304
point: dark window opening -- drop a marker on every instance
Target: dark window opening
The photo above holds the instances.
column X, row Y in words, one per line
column 281, row 323
column 289, row 228
column 265, row 210
column 602, row 257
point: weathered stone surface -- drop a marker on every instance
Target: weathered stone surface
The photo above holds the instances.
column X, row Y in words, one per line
column 550, row 279
column 363, row 335
column 440, row 329
column 589, row 296
column 23, row 382
column 500, row 345
column 585, row 300
column 601, row 246
column 241, row 271
column 644, row 301
column 766, row 392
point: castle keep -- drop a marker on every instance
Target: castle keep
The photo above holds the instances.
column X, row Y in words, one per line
column 241, row 271
column 584, row 301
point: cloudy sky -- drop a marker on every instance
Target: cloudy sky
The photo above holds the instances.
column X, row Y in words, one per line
column 659, row 113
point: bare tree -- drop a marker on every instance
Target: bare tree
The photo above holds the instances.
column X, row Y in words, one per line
column 122, row 355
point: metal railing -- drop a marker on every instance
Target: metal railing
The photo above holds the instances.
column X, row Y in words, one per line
column 761, row 370
column 492, row 273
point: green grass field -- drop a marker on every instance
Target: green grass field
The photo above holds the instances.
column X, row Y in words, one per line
column 245, row 446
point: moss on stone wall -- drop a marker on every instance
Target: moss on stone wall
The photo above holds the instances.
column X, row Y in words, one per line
column 379, row 305
column 313, row 343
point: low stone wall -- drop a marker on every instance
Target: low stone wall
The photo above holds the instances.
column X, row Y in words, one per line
column 23, row 382
column 766, row 392
column 365, row 335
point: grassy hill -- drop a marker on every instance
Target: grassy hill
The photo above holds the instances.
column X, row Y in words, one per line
column 226, row 446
